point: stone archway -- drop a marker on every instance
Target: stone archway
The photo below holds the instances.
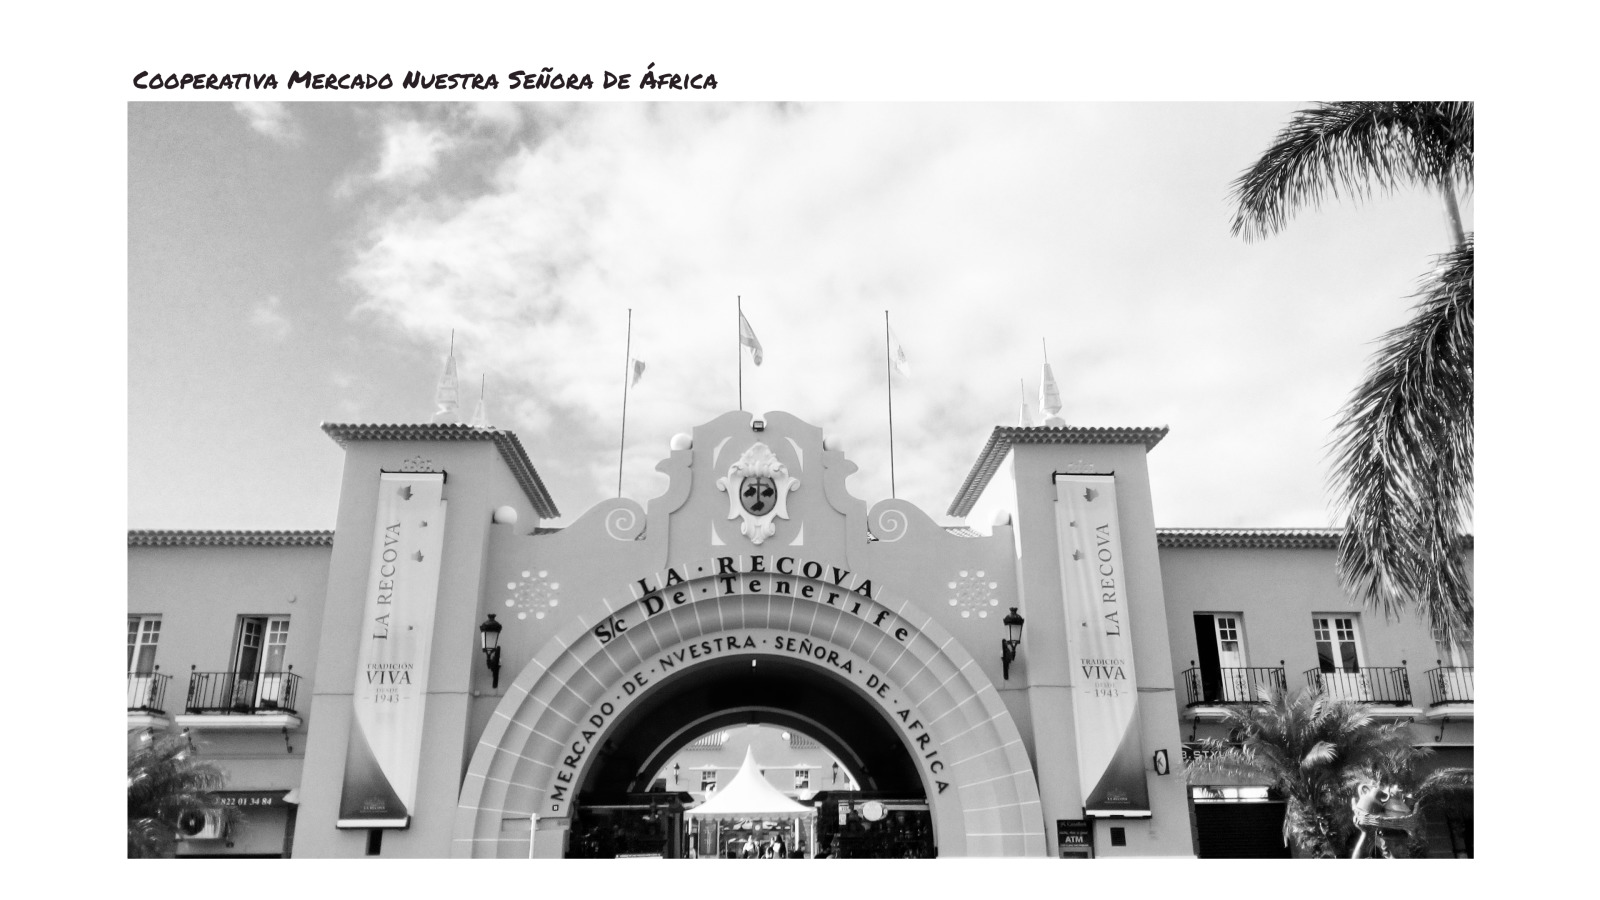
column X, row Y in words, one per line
column 539, row 744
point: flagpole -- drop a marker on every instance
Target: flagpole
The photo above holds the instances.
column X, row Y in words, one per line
column 738, row 345
column 888, row 373
column 627, row 365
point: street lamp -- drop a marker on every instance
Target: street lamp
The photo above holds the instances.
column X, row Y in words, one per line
column 1009, row 643
column 489, row 634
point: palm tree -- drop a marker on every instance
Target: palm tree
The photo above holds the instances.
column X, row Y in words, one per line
column 1308, row 748
column 1403, row 446
column 165, row 781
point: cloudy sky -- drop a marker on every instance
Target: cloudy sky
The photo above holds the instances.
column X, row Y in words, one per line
column 291, row 264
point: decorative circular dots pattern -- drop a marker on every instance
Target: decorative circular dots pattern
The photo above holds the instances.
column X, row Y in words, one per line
column 534, row 595
column 973, row 592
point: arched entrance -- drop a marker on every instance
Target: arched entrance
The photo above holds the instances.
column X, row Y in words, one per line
column 747, row 689
column 910, row 705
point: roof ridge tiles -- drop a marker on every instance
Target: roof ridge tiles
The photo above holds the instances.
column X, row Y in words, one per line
column 506, row 441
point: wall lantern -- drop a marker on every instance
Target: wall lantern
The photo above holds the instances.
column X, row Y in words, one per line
column 1159, row 761
column 835, row 773
column 489, row 634
column 1009, row 643
column 674, row 774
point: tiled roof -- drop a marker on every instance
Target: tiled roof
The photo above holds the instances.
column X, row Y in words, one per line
column 1003, row 437
column 1255, row 538
column 1260, row 538
column 961, row 531
column 510, row 449
column 230, row 538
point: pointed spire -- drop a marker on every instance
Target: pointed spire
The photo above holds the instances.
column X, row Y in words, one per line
column 1049, row 394
column 480, row 415
column 447, row 395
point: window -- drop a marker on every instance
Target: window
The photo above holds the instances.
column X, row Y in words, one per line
column 143, row 634
column 708, row 779
column 1339, row 657
column 1219, row 642
column 802, row 779
column 144, row 685
column 258, row 662
column 1336, row 643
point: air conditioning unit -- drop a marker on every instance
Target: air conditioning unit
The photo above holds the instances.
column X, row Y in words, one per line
column 200, row 826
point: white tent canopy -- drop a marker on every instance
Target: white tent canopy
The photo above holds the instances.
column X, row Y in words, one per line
column 747, row 795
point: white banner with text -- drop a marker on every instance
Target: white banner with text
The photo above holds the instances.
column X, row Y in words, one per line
column 380, row 767
column 1105, row 699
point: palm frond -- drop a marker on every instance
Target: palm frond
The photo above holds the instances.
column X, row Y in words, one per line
column 1322, row 753
column 1226, row 766
column 1447, row 789
column 1403, row 466
column 1355, row 147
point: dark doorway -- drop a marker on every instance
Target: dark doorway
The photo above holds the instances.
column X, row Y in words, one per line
column 616, row 814
column 1240, row 830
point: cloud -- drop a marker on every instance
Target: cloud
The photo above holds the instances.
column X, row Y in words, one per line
column 410, row 152
column 268, row 317
column 271, row 118
column 981, row 228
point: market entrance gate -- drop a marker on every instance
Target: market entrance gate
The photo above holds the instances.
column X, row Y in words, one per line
column 550, row 735
column 642, row 625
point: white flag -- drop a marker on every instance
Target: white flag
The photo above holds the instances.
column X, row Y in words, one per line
column 448, row 394
column 897, row 354
column 747, row 337
column 638, row 372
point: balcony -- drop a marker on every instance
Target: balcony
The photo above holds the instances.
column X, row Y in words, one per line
column 1449, row 684
column 147, row 699
column 1378, row 685
column 1450, row 692
column 1231, row 686
column 242, row 700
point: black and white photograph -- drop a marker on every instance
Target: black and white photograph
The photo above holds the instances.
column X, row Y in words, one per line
column 678, row 466
column 991, row 443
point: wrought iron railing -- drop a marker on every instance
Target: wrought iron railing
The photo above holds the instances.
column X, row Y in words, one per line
column 243, row 693
column 1233, row 685
column 1389, row 685
column 147, row 692
column 1449, row 684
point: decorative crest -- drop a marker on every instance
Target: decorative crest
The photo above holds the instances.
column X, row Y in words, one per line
column 758, row 488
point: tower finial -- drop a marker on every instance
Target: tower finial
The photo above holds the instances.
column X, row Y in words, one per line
column 447, row 395
column 1049, row 394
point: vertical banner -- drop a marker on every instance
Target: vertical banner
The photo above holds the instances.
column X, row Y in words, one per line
column 1105, row 699
column 380, row 766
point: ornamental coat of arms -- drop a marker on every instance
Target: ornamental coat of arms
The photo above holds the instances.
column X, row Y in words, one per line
column 758, row 487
